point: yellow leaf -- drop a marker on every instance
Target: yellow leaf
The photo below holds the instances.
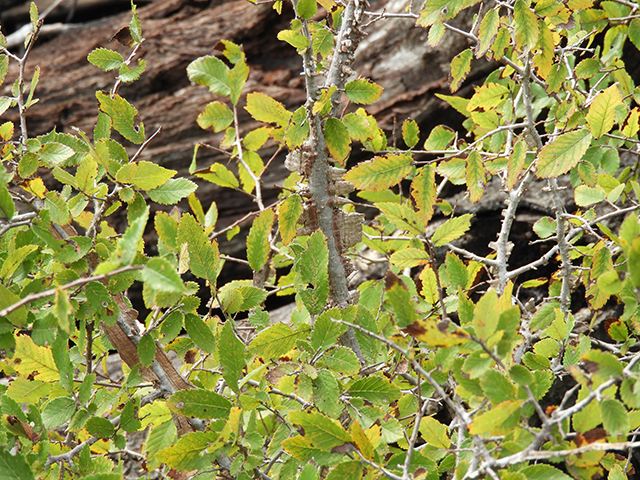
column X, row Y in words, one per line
column 601, row 116
column 32, row 359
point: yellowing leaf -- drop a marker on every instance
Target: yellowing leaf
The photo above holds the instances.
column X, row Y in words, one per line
column 338, row 140
column 402, row 217
column 380, row 173
column 34, row 360
column 258, row 246
column 486, row 315
column 543, row 59
column 585, row 195
column 215, row 115
column 218, row 174
column 516, row 163
column 434, row 432
column 410, row 132
column 497, row 421
column 144, row 175
column 526, row 26
column 451, row 230
column 409, row 258
column 424, row 193
column 488, row 96
column 488, row 31
column 563, row 153
column 601, row 116
column 460, row 68
column 475, row 176
column 123, row 115
column 105, row 59
column 429, row 285
column 289, row 212
column 276, row 340
column 363, row 91
column 265, row 109
column 631, row 125
column 436, row 333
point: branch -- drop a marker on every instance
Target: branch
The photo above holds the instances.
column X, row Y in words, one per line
column 32, row 297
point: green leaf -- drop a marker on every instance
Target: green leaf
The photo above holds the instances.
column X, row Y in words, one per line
column 276, row 341
column 7, row 207
column 236, row 297
column 586, row 196
column 545, row 227
column 298, row 130
column 203, row 254
column 167, row 229
column 14, row 467
column 435, row 11
column 258, row 240
column 105, row 59
column 375, row 390
column 410, row 132
column 144, row 175
column 216, row 115
column 58, row 208
column 399, row 297
column 186, row 453
column 409, row 257
column 160, row 275
column 363, row 91
column 306, row 9
column 341, row 360
column 122, row 115
column 325, row 331
column 526, row 26
column 289, row 212
column 172, row 191
column 200, row 333
column 614, row 417
column 162, row 436
column 497, row 387
column 127, row 74
column 14, row 259
column 199, row 403
column 326, row 393
column 338, row 139
column 54, row 153
column 99, row 427
column 451, row 230
column 543, row 472
column 402, row 216
column 563, row 153
column 146, row 350
column 346, row 471
column 265, row 109
column 210, row 72
column 634, row 32
column 231, row 351
column 380, row 173
column 634, row 262
column 58, row 411
column 237, row 79
column 601, row 116
column 460, row 68
column 322, row 432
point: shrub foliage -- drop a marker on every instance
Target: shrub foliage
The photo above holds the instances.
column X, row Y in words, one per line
column 438, row 370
